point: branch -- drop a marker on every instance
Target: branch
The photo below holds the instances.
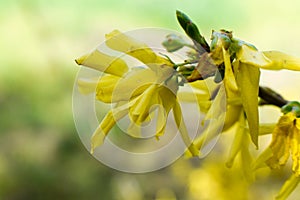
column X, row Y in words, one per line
column 270, row 97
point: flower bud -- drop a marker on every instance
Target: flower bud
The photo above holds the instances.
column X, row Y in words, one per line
column 173, row 43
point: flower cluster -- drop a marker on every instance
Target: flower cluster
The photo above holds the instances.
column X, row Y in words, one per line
column 233, row 68
column 137, row 92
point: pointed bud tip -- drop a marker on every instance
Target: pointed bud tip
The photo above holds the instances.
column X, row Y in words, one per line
column 79, row 61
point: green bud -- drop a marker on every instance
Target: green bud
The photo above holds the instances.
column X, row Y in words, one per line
column 292, row 106
column 192, row 31
column 296, row 110
column 173, row 43
column 183, row 19
column 286, row 109
column 222, row 38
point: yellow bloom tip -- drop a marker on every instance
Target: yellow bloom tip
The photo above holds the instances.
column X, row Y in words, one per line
column 92, row 151
column 79, row 61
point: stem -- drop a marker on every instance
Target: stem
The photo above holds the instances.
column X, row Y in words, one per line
column 270, row 97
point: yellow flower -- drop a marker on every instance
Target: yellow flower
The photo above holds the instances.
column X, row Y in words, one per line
column 241, row 79
column 112, row 89
column 154, row 97
column 137, row 92
column 108, row 64
column 286, row 142
column 123, row 43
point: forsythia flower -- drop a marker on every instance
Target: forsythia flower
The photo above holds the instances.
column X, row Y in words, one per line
column 241, row 83
column 137, row 92
column 241, row 78
column 285, row 143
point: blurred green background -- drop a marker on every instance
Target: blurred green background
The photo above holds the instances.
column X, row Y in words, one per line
column 41, row 156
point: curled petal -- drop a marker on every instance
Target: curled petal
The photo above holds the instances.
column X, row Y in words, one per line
column 126, row 44
column 112, row 89
column 105, row 88
column 107, row 123
column 145, row 104
column 183, row 130
column 167, row 100
column 251, row 56
column 281, row 61
column 281, row 141
column 104, row 63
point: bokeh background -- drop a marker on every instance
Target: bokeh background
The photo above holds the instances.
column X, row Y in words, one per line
column 41, row 155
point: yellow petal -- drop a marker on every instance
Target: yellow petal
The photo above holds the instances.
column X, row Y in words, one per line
column 262, row 158
column 214, row 121
column 114, row 89
column 248, row 83
column 236, row 101
column 199, row 99
column 106, row 125
column 218, row 107
column 183, row 130
column 104, row 63
column 251, row 56
column 265, row 129
column 166, row 100
column 105, row 88
column 204, row 88
column 295, row 146
column 282, row 61
column 237, row 142
column 280, row 144
column 229, row 78
column 288, row 187
column 247, row 158
column 233, row 113
column 161, row 122
column 126, row 44
column 87, row 85
column 241, row 145
column 145, row 104
column 200, row 85
column 199, row 93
